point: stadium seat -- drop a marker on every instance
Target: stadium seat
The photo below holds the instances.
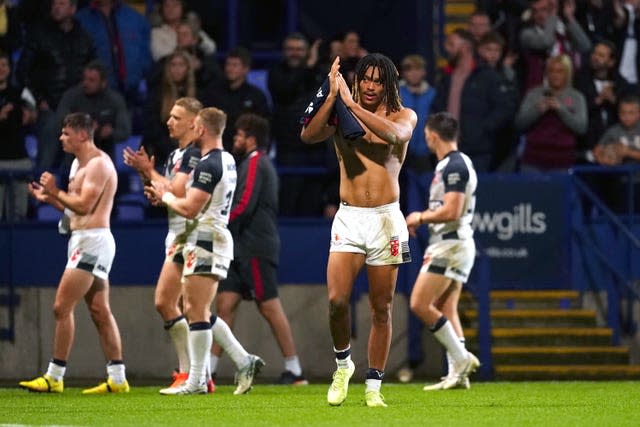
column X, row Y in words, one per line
column 47, row 213
column 259, row 78
column 130, row 207
column 134, row 142
column 31, row 145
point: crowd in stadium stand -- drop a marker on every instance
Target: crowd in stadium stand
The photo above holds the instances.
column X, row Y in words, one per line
column 537, row 85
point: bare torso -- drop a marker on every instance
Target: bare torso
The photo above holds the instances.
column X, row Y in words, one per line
column 369, row 169
column 99, row 215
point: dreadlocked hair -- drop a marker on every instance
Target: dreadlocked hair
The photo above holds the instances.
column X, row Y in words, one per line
column 388, row 77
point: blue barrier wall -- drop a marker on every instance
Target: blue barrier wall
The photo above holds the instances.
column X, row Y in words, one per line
column 522, row 223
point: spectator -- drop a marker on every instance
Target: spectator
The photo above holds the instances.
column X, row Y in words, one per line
column 552, row 116
column 52, row 60
column 106, row 107
column 550, row 35
column 596, row 18
column 506, row 18
column 122, row 40
column 417, row 94
column 235, row 95
column 621, row 142
column 470, row 90
column 490, row 51
column 478, row 25
column 164, row 37
column 602, row 85
column 352, row 51
column 292, row 82
column 14, row 191
column 177, row 81
column 205, row 66
column 627, row 37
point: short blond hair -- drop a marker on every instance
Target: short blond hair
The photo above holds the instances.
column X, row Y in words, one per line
column 190, row 104
column 213, row 119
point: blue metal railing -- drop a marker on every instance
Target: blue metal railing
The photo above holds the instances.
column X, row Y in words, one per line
column 623, row 225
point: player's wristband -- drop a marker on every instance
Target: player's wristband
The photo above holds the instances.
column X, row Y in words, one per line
column 167, row 198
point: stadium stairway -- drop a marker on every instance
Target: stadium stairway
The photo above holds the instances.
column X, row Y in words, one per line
column 455, row 14
column 547, row 335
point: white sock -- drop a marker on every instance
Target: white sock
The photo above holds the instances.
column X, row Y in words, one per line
column 117, row 373
column 343, row 363
column 450, row 358
column 292, row 364
column 199, row 346
column 372, row 384
column 225, row 339
column 179, row 333
column 56, row 371
column 448, row 338
column 213, row 363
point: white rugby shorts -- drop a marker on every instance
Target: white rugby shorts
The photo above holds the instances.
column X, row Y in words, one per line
column 92, row 250
column 452, row 258
column 380, row 233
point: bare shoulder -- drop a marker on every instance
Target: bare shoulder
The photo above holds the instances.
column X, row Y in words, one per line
column 101, row 163
column 404, row 115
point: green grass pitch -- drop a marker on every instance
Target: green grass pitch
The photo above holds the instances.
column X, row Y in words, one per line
column 485, row 404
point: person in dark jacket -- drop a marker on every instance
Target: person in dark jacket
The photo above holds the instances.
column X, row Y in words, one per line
column 471, row 90
column 106, row 107
column 602, row 85
column 292, row 82
column 14, row 193
column 52, row 60
column 235, row 95
column 254, row 226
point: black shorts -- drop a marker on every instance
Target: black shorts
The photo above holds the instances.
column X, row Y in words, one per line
column 254, row 278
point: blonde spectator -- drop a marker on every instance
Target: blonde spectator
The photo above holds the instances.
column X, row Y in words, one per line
column 177, row 81
column 552, row 115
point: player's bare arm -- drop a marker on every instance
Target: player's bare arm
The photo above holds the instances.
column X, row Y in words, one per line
column 395, row 128
column 450, row 210
column 187, row 207
column 84, row 201
column 318, row 129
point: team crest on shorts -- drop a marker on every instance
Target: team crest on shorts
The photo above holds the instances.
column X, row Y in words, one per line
column 171, row 250
column 394, row 245
column 191, row 259
column 74, row 255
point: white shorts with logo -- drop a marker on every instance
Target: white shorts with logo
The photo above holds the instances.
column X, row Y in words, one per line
column 92, row 250
column 380, row 233
column 451, row 258
column 208, row 253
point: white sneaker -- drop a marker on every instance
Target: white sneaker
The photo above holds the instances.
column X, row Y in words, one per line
column 464, row 384
column 246, row 375
column 184, row 388
column 340, row 386
column 459, row 378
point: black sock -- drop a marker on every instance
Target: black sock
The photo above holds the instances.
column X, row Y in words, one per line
column 59, row 362
column 374, row 374
column 341, row 355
